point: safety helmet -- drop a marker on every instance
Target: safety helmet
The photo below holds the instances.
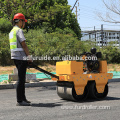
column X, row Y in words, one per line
column 19, row 16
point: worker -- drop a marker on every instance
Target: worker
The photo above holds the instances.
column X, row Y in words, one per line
column 19, row 51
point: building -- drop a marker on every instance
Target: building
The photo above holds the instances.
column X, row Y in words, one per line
column 104, row 37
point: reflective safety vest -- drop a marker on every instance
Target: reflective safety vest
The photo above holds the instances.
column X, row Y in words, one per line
column 13, row 39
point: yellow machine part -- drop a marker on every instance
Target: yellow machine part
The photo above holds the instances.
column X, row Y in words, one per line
column 72, row 71
column 103, row 66
column 69, row 67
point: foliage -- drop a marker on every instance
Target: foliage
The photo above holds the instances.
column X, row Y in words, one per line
column 4, row 50
column 59, row 43
column 5, row 25
column 111, row 54
column 46, row 14
column 40, row 44
column 53, row 44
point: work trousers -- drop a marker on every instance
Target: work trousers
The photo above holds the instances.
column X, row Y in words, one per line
column 20, row 90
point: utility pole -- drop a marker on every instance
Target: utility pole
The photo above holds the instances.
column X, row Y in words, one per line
column 95, row 33
column 76, row 12
column 95, row 36
column 89, row 36
column 102, row 34
column 119, row 39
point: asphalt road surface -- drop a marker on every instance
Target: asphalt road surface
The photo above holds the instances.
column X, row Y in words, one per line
column 46, row 105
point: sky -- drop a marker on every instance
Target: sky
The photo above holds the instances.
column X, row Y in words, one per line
column 88, row 18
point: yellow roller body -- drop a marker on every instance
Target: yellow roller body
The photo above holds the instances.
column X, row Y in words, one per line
column 72, row 71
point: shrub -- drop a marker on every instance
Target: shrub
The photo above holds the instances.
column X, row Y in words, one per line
column 5, row 58
column 58, row 43
column 5, row 25
column 111, row 54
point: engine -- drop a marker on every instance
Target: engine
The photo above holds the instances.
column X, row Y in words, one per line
column 92, row 63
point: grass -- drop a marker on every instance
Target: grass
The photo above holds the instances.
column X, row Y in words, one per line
column 113, row 67
column 10, row 80
column 50, row 68
column 6, row 72
column 5, row 82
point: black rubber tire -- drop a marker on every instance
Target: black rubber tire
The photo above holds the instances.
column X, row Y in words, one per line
column 80, row 97
column 93, row 91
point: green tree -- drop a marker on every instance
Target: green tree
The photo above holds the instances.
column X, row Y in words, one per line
column 46, row 14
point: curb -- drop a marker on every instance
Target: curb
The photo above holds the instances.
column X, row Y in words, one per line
column 41, row 84
column 10, row 86
column 114, row 80
column 27, row 85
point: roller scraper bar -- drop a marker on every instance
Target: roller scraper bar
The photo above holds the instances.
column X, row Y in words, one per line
column 32, row 65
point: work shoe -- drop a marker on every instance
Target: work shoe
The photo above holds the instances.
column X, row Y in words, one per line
column 26, row 101
column 23, row 103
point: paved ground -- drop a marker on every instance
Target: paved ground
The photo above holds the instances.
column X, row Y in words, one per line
column 48, row 106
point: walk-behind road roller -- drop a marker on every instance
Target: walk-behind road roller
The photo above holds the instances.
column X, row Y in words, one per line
column 79, row 80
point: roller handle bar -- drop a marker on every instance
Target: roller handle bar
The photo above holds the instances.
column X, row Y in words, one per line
column 32, row 65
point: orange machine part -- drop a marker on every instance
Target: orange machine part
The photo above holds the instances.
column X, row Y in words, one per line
column 73, row 71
